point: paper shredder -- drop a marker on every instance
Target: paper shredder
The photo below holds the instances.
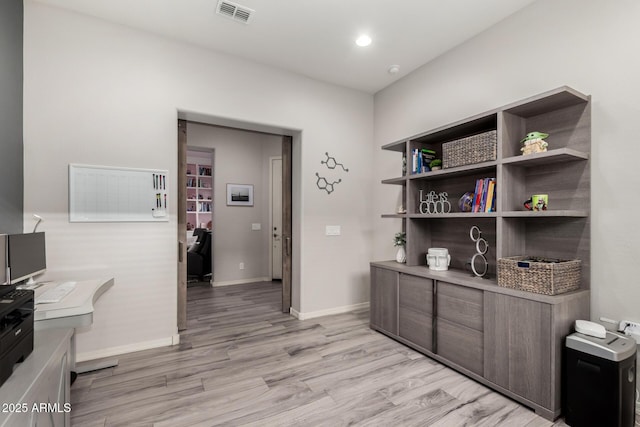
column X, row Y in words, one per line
column 600, row 380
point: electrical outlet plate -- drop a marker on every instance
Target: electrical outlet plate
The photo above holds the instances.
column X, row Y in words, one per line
column 629, row 327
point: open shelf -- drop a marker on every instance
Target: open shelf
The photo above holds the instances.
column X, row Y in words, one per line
column 546, row 214
column 457, row 171
column 396, row 146
column 559, row 155
column 453, row 215
column 394, row 216
column 398, row 181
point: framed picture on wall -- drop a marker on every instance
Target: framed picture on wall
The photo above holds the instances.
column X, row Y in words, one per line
column 239, row 195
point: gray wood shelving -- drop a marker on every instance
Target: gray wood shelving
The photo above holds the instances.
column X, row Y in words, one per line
column 563, row 172
column 472, row 324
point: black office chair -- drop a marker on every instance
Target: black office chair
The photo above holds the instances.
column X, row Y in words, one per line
column 199, row 256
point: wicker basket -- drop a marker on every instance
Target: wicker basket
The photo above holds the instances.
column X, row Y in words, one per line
column 472, row 149
column 539, row 275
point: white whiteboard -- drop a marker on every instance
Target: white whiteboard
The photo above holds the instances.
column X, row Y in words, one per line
column 113, row 194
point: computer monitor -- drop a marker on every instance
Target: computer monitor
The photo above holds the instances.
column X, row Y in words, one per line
column 4, row 277
column 27, row 256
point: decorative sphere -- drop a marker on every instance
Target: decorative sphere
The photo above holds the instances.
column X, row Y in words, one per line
column 465, row 202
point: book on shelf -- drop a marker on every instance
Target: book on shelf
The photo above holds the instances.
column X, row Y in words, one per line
column 420, row 159
column 484, row 198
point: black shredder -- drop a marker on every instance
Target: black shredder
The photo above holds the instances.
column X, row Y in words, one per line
column 600, row 380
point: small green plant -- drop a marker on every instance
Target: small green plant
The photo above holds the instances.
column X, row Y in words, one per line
column 400, row 239
column 435, row 162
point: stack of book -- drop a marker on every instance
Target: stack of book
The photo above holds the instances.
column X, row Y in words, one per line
column 420, row 159
column 484, row 199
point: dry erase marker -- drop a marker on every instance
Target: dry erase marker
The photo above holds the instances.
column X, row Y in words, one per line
column 165, row 200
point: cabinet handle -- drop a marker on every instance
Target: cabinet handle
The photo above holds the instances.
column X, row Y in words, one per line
column 180, row 250
column 287, row 241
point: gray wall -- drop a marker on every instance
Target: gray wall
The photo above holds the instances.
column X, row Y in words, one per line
column 11, row 181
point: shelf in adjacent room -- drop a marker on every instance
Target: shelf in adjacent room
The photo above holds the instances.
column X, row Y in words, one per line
column 559, row 155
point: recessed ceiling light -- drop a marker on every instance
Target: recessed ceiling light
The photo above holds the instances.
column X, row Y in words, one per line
column 363, row 40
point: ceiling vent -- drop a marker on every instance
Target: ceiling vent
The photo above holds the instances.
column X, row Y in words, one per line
column 234, row 11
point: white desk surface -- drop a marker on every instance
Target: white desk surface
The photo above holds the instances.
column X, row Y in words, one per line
column 78, row 304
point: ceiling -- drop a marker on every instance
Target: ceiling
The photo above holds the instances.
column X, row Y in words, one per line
column 315, row 38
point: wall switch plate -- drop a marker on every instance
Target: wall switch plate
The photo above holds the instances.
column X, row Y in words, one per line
column 332, row 230
column 256, row 226
column 241, row 266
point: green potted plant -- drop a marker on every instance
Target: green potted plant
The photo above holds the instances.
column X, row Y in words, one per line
column 400, row 241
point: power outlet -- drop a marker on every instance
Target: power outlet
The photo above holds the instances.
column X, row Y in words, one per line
column 630, row 328
column 241, row 266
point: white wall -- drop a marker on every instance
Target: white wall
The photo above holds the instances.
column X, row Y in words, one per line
column 588, row 45
column 240, row 158
column 105, row 94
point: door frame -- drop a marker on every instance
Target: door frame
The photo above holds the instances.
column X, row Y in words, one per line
column 287, row 224
column 182, row 225
column 271, row 159
column 290, row 270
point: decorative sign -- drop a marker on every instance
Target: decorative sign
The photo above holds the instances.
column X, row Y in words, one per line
column 434, row 203
column 322, row 182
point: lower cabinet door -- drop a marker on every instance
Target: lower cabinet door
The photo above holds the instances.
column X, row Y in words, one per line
column 518, row 346
column 415, row 315
column 460, row 326
column 461, row 345
column 383, row 312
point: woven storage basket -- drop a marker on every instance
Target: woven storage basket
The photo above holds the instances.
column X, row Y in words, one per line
column 549, row 278
column 472, row 149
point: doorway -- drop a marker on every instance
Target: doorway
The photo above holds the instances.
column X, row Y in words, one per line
column 235, row 218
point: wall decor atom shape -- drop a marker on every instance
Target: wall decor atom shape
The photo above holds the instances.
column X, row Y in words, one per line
column 322, row 182
column 332, row 163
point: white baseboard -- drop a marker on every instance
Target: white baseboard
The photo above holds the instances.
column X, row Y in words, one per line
column 329, row 311
column 130, row 348
column 240, row 281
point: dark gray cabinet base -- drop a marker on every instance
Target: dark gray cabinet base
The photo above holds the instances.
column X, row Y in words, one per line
column 506, row 339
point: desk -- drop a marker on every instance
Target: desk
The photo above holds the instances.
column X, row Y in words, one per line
column 73, row 311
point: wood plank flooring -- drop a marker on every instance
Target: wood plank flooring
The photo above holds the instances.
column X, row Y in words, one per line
column 242, row 362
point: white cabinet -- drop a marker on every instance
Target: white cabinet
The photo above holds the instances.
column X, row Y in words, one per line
column 37, row 393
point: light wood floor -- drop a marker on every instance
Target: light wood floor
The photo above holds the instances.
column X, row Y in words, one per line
column 242, row 362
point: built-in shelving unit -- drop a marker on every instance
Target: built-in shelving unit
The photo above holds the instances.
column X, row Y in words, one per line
column 199, row 189
column 505, row 338
column 562, row 172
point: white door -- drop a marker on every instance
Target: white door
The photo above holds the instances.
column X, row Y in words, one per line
column 276, row 218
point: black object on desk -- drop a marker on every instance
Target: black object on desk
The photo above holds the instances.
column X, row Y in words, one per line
column 16, row 328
